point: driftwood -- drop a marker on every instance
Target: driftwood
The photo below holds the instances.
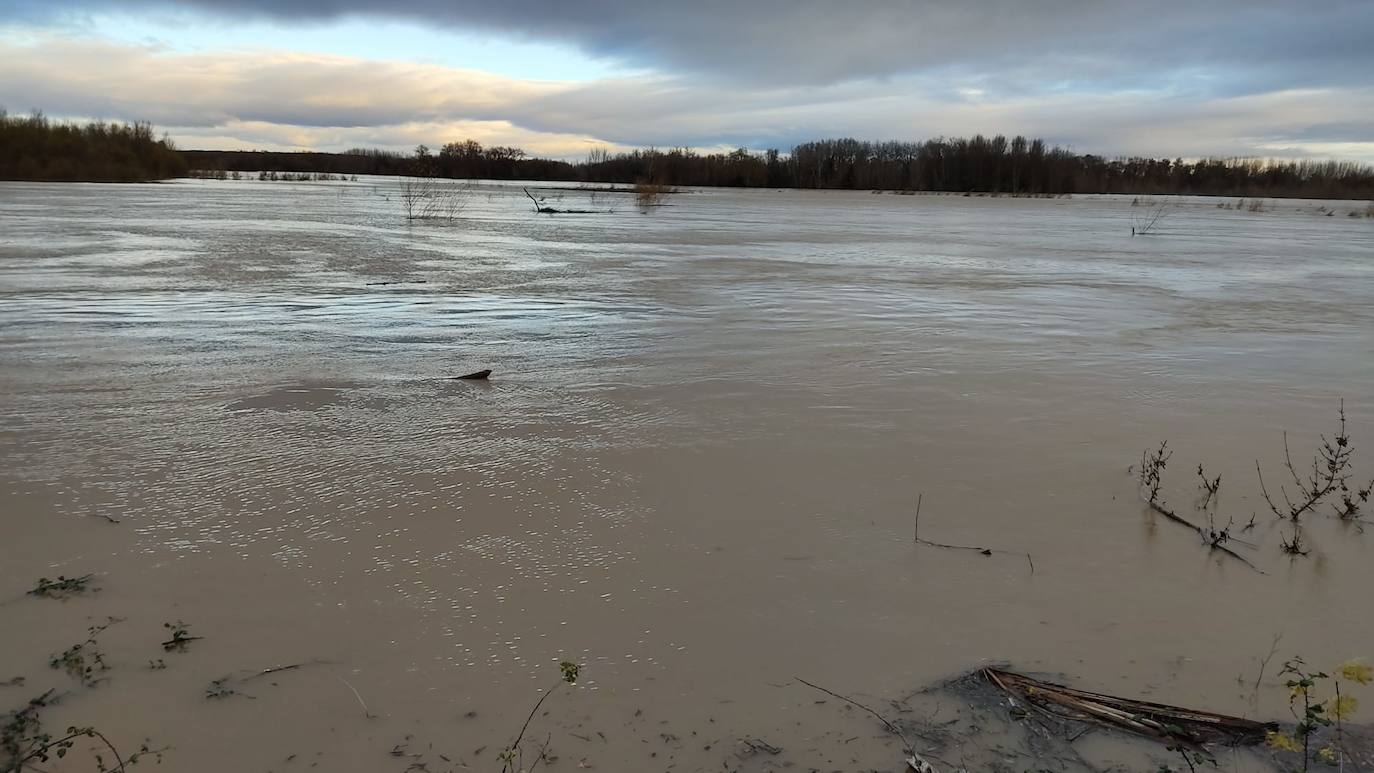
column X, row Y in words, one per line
column 543, row 210
column 480, row 375
column 537, row 206
column 1169, row 724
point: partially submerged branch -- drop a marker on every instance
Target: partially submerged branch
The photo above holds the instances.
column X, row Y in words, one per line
column 1152, row 466
column 980, row 550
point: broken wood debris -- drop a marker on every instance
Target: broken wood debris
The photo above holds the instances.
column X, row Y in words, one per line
column 757, row 745
column 1161, row 722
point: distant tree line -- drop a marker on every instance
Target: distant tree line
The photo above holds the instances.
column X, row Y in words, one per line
column 466, row 160
column 35, row 148
column 979, row 164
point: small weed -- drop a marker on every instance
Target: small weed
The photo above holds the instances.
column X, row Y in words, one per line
column 1152, row 465
column 84, row 661
column 181, row 636
column 24, row 742
column 512, row 756
column 1208, row 485
column 1349, row 509
column 1294, row 545
column 220, row 688
column 63, row 587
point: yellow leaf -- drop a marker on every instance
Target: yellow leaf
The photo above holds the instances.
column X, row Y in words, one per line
column 1282, row 741
column 1356, row 671
column 1327, row 754
column 1343, row 707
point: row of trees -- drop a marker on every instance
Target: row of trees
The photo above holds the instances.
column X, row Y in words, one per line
column 459, row 160
column 35, row 148
column 978, row 164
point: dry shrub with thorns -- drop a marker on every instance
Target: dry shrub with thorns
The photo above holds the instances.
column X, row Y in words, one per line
column 1152, row 464
column 1331, row 472
column 1327, row 482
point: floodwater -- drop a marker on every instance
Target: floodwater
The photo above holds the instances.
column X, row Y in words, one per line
column 695, row 470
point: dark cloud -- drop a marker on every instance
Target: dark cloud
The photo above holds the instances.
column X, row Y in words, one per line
column 1236, row 46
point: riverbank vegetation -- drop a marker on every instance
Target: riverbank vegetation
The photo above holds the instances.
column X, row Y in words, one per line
column 1016, row 166
column 36, row 148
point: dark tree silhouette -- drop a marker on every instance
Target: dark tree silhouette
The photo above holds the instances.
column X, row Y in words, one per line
column 978, row 164
column 34, row 148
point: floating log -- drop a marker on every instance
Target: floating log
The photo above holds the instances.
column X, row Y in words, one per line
column 480, row 375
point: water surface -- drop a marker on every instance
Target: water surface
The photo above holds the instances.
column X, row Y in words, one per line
column 695, row 469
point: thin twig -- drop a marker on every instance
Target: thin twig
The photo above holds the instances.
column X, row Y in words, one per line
column 366, row 713
column 520, row 736
column 543, row 751
column 1264, row 663
column 276, row 669
column 891, row 727
column 982, row 550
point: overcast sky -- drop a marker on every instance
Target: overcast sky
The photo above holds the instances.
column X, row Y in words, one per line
column 1164, row 78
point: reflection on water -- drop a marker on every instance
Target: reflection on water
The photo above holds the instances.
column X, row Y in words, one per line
column 695, row 465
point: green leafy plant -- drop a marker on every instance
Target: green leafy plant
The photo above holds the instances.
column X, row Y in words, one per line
column 24, row 743
column 84, row 661
column 181, row 636
column 1313, row 712
column 512, row 756
column 62, row 587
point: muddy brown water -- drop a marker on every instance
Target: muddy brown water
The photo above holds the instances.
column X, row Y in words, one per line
column 694, row 469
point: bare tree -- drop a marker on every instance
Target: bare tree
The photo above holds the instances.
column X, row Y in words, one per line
column 1144, row 224
column 429, row 198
